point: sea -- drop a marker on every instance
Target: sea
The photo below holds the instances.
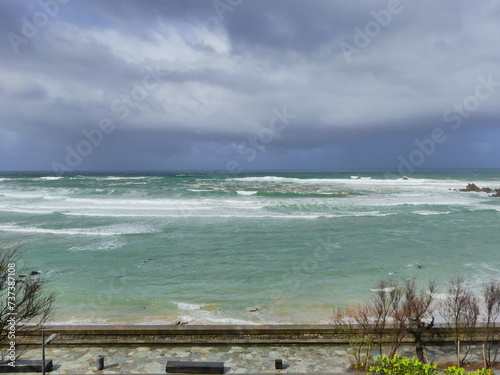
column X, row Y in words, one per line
column 260, row 247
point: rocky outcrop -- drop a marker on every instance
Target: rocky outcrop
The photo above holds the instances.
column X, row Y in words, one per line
column 477, row 189
column 474, row 187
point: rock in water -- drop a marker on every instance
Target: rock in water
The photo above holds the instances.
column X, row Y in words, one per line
column 471, row 187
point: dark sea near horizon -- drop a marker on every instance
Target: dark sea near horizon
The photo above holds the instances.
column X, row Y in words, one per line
column 250, row 248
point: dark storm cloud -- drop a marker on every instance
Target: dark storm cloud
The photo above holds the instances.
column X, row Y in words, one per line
column 197, row 84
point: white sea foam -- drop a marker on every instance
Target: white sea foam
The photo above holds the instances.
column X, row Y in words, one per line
column 440, row 296
column 385, row 290
column 188, row 306
column 365, row 182
column 243, row 192
column 27, row 210
column 47, row 194
column 215, row 215
column 427, row 213
column 231, row 216
column 98, row 246
column 198, row 315
column 267, row 179
column 209, row 319
column 111, row 230
column 50, row 178
column 118, row 178
column 161, row 203
column 82, row 322
column 22, row 195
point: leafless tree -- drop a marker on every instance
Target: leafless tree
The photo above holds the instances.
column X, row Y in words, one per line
column 402, row 308
column 414, row 316
column 356, row 324
column 384, row 304
column 460, row 311
column 491, row 296
column 25, row 304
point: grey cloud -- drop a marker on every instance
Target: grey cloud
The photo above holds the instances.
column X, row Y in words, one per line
column 220, row 84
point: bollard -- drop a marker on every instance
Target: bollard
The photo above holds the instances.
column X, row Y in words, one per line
column 278, row 364
column 100, row 362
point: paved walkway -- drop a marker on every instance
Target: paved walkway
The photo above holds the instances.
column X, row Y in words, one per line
column 238, row 359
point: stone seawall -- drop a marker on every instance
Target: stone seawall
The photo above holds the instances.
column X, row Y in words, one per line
column 219, row 334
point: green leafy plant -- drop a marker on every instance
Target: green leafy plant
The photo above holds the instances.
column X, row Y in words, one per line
column 402, row 366
column 484, row 371
column 454, row 370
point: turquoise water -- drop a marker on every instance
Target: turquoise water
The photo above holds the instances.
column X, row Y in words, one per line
column 208, row 247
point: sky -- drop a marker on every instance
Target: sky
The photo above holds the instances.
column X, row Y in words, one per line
column 249, row 84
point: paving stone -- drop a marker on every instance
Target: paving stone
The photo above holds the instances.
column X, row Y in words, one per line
column 238, row 359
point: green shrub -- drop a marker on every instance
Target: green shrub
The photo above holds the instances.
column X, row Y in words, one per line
column 453, row 370
column 484, row 371
column 402, row 366
column 412, row 366
column 460, row 371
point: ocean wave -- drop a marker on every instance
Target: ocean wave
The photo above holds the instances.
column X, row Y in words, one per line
column 118, row 178
column 50, row 178
column 59, row 194
column 367, row 182
column 243, row 192
column 267, row 179
column 207, row 314
column 82, row 322
column 183, row 215
column 372, row 213
column 428, row 213
column 22, row 195
column 111, row 230
column 304, row 194
column 160, row 203
column 385, row 290
column 212, row 320
column 188, row 306
column 105, row 245
column 28, row 210
column 230, row 216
